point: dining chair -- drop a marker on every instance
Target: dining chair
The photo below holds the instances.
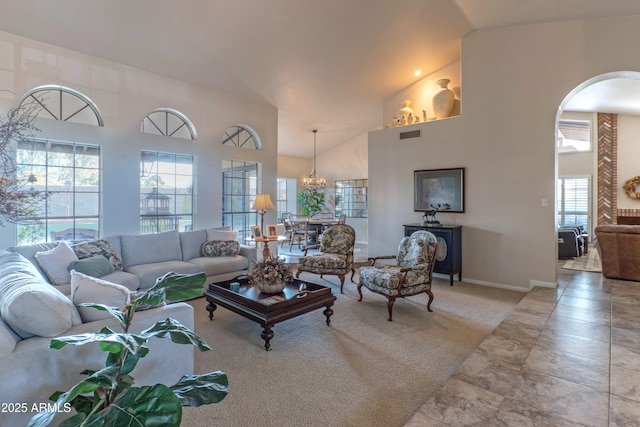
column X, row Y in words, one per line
column 301, row 231
column 285, row 220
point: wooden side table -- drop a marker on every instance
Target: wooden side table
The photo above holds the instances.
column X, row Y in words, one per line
column 266, row 252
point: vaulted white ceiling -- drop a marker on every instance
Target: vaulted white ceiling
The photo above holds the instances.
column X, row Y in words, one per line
column 325, row 64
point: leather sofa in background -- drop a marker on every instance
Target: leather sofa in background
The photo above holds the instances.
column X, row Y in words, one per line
column 619, row 250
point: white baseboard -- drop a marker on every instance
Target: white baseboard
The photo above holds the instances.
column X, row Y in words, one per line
column 485, row 283
column 534, row 283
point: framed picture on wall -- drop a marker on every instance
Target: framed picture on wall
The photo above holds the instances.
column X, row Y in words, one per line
column 256, row 233
column 444, row 187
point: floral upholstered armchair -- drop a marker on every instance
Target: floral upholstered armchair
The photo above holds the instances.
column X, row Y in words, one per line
column 336, row 254
column 411, row 275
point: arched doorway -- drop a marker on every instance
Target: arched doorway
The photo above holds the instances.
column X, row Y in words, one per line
column 610, row 105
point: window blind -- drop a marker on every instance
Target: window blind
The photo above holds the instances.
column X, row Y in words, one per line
column 574, row 201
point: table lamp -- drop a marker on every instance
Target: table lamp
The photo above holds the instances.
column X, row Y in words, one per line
column 262, row 204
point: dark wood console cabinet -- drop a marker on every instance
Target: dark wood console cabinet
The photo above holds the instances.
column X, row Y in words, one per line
column 449, row 252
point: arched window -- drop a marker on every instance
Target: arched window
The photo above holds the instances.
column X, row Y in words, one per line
column 65, row 104
column 169, row 122
column 242, row 136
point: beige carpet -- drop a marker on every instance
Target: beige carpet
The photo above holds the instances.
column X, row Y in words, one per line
column 589, row 262
column 360, row 371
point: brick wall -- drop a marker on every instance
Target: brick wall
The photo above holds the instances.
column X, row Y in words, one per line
column 608, row 211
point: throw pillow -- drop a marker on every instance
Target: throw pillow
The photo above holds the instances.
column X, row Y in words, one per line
column 213, row 234
column 87, row 289
column 54, row 263
column 95, row 266
column 98, row 247
column 220, row 248
column 37, row 308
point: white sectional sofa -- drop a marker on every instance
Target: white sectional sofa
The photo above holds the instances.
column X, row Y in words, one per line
column 32, row 311
column 149, row 256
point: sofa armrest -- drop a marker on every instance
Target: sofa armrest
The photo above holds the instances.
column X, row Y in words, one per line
column 251, row 253
column 568, row 245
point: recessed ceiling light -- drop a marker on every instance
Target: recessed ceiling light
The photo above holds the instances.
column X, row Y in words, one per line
column 417, row 73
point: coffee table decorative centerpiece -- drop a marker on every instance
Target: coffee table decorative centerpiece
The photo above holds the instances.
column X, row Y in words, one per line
column 271, row 275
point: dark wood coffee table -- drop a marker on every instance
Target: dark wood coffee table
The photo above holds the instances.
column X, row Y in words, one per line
column 267, row 310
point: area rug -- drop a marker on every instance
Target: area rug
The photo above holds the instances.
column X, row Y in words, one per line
column 360, row 371
column 589, row 262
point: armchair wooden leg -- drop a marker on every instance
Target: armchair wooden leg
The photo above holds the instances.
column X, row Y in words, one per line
column 341, row 276
column 428, row 291
column 390, row 301
column 353, row 272
column 360, row 290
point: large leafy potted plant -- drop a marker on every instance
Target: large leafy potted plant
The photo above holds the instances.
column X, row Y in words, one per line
column 312, row 202
column 108, row 397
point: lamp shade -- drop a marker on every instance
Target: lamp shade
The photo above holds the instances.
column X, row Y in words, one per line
column 263, row 202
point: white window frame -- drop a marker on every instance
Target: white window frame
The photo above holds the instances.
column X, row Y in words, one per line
column 564, row 211
column 41, row 176
column 155, row 218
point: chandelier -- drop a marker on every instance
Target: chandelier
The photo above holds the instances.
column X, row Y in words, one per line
column 313, row 183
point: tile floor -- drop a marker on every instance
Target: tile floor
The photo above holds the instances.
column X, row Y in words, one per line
column 564, row 357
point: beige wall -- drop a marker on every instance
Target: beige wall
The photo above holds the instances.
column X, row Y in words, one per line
column 513, row 79
column 628, row 156
column 125, row 96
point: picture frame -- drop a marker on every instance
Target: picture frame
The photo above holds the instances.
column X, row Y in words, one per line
column 256, row 232
column 437, row 188
column 272, row 232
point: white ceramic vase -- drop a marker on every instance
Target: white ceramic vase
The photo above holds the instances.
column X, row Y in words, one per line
column 443, row 100
column 406, row 112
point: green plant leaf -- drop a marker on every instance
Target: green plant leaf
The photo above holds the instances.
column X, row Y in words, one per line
column 109, row 341
column 115, row 312
column 148, row 406
column 178, row 333
column 173, row 287
column 104, row 378
column 130, row 360
column 196, row 390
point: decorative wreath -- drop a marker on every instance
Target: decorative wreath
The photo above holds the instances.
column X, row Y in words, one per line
column 630, row 186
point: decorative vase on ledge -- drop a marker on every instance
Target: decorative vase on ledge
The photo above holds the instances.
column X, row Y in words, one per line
column 443, row 100
column 406, row 112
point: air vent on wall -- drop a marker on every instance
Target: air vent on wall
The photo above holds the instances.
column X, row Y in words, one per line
column 410, row 134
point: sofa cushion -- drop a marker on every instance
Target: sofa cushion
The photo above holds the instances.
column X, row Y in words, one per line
column 213, row 266
column 150, row 248
column 54, row 263
column 217, row 234
column 126, row 279
column 149, row 273
column 220, row 248
column 191, row 242
column 8, row 339
column 87, row 289
column 94, row 266
column 28, row 304
column 29, row 252
column 98, row 247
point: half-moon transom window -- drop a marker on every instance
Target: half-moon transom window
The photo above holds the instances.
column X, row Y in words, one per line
column 169, row 122
column 65, row 104
column 241, row 136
